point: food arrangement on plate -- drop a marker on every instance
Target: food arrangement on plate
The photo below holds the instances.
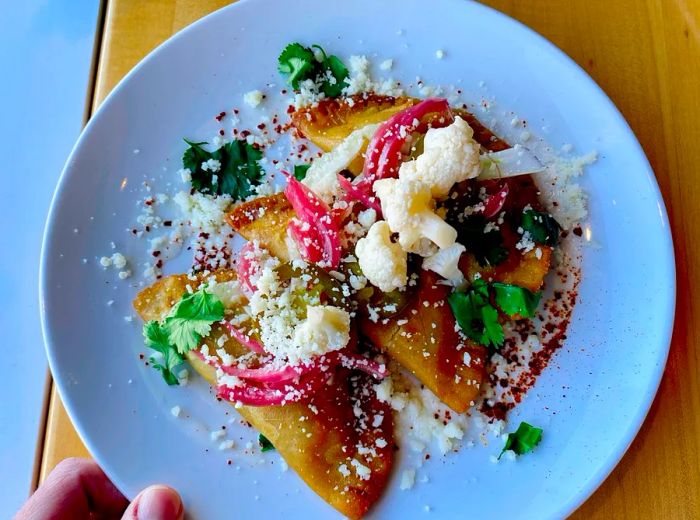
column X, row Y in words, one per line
column 403, row 270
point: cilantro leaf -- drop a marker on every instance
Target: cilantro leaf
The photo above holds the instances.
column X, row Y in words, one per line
column 171, row 360
column 543, row 228
column 185, row 334
column 475, row 315
column 187, row 323
column 239, row 169
column 300, row 171
column 334, row 74
column 191, row 319
column 157, row 339
column 523, row 440
column 297, row 62
column 515, row 300
column 265, row 443
column 487, row 248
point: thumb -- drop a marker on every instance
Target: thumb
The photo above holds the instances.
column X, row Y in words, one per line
column 156, row 503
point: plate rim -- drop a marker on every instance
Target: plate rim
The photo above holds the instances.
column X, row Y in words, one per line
column 666, row 252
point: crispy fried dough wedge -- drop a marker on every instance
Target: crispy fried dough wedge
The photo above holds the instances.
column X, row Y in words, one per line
column 264, row 219
column 331, row 120
column 422, row 338
column 319, row 438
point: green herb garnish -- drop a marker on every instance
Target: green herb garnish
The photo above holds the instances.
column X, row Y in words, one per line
column 299, row 63
column 523, row 440
column 515, row 300
column 542, row 227
column 238, row 172
column 182, row 329
column 300, row 171
column 157, row 339
column 487, row 247
column 478, row 317
column 475, row 315
column 265, row 444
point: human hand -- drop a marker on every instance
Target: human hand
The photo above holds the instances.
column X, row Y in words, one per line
column 78, row 489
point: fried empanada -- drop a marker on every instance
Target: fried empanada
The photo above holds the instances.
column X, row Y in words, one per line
column 318, row 438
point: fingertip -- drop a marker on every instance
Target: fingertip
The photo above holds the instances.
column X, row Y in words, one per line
column 157, row 502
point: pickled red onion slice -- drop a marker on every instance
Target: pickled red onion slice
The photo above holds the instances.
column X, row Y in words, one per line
column 318, row 227
column 494, row 204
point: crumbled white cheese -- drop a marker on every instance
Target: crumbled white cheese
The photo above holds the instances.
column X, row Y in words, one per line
column 217, row 434
column 176, row 411
column 211, row 165
column 253, row 98
column 408, row 478
column 407, row 208
column 360, row 80
column 362, row 471
column 439, row 54
column 383, row 262
column 386, row 64
column 556, row 182
column 205, row 212
column 228, row 444
column 450, row 155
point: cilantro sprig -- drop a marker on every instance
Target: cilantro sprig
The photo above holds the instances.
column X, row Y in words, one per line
column 238, row 168
column 543, row 228
column 523, row 440
column 265, row 444
column 181, row 330
column 300, row 171
column 477, row 316
column 299, row 63
column 157, row 339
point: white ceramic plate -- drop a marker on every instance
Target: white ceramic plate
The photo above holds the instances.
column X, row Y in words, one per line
column 591, row 400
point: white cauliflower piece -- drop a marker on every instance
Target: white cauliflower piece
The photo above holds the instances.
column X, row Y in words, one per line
column 407, row 208
column 325, row 329
column 383, row 262
column 446, row 263
column 322, row 175
column 450, row 155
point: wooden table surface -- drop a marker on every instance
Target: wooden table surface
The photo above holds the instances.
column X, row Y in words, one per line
column 645, row 54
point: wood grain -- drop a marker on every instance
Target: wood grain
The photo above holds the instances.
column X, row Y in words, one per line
column 646, row 55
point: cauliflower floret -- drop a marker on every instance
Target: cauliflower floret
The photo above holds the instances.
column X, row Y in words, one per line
column 446, row 263
column 382, row 261
column 322, row 176
column 407, row 208
column 325, row 329
column 450, row 155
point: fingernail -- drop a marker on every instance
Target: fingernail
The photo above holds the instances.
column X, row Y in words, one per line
column 159, row 503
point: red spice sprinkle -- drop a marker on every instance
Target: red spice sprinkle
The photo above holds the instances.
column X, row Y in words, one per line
column 221, row 132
